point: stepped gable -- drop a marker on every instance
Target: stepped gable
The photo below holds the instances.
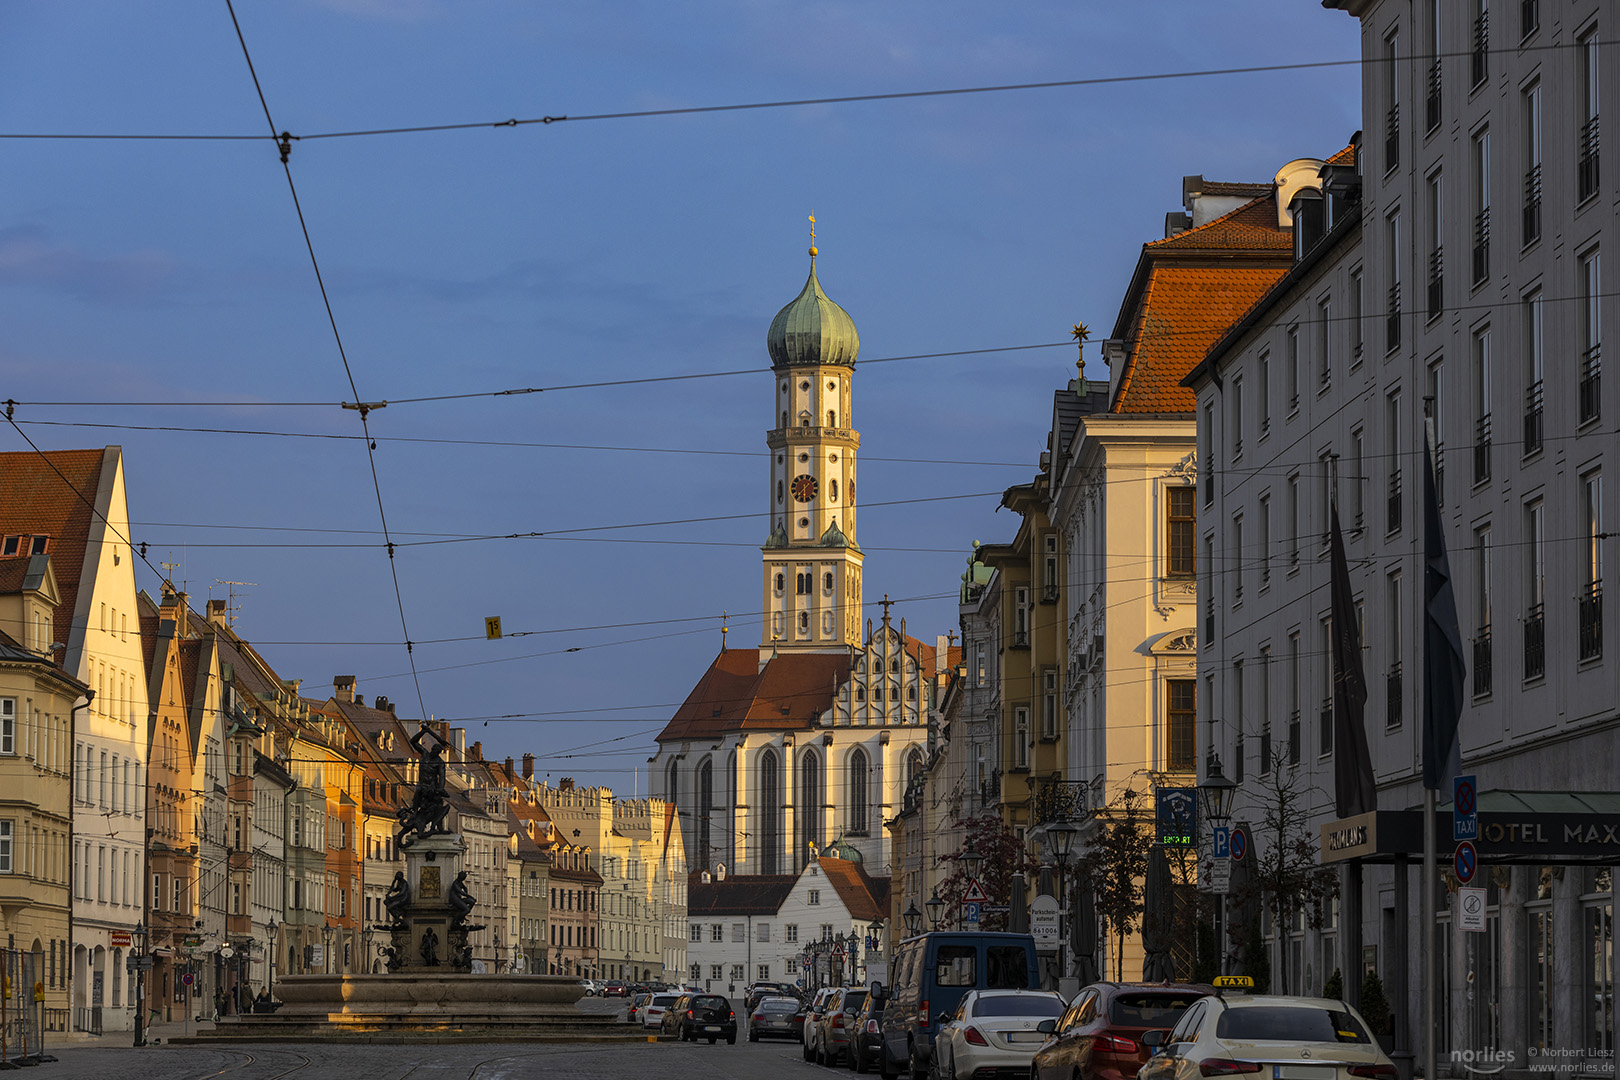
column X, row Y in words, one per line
column 736, row 694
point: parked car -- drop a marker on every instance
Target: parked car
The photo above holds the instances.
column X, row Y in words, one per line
column 812, row 1014
column 758, row 990
column 1099, row 1037
column 699, row 1016
column 832, row 1040
column 652, row 1013
column 866, row 1034
column 637, row 1003
column 994, row 1033
column 931, row 973
column 776, row 1017
column 614, row 988
column 591, row 987
column 1266, row 1036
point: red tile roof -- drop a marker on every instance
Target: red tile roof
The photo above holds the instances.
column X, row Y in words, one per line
column 40, row 493
column 736, row 695
column 865, row 897
column 1251, row 227
column 751, row 894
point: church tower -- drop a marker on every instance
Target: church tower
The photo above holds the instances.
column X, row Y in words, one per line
column 812, row 564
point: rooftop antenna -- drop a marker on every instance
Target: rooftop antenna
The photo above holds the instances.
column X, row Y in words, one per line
column 231, row 606
column 168, row 572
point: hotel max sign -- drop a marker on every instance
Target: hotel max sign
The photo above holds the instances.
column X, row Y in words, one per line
column 1503, row 837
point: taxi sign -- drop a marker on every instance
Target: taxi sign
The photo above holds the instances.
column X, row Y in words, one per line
column 1238, row 982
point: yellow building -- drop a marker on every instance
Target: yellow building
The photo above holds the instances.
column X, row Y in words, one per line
column 37, row 702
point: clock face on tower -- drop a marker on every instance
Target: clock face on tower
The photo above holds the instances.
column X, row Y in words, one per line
column 804, row 487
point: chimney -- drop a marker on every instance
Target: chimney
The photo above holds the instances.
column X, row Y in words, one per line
column 218, row 612
column 461, row 743
column 383, row 704
column 942, row 653
column 566, row 784
column 477, row 753
column 342, row 685
column 509, row 769
column 528, row 766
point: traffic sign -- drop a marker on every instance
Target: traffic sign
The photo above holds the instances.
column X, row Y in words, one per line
column 1221, row 841
column 1471, row 910
column 1465, row 862
column 970, row 913
column 1220, row 876
column 975, row 893
column 994, row 909
column 1240, row 843
column 188, row 978
column 1176, row 811
column 1464, row 809
column 1044, row 922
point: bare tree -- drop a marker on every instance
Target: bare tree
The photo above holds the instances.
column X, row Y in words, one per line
column 1115, row 865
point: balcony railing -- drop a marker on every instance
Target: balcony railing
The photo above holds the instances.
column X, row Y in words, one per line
column 1591, row 382
column 1431, row 101
column 1532, row 418
column 1324, row 727
column 1482, row 449
column 1293, row 738
column 1482, row 661
column 1393, row 696
column 1591, row 625
column 1477, row 68
column 1392, row 324
column 1535, row 642
column 1392, row 507
column 1020, row 639
column 1586, row 164
column 1437, row 282
column 1060, row 800
column 1532, row 205
column 1529, row 17
column 1392, row 138
column 1482, row 245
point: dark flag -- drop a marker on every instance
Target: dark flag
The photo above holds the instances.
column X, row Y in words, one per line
column 1443, row 666
column 1354, row 789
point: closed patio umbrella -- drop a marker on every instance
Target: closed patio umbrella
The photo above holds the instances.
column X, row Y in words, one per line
column 1083, row 936
column 1158, row 919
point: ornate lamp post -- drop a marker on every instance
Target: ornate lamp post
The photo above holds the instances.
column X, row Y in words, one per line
column 912, row 918
column 1061, row 838
column 936, row 911
column 1216, row 792
column 140, row 934
column 874, row 945
column 270, row 954
column 972, row 861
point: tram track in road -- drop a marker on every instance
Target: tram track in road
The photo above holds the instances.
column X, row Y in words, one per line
column 250, row 1061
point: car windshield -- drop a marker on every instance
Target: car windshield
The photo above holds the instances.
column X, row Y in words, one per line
column 1149, row 1010
column 852, row 1001
column 709, row 1002
column 1289, row 1023
column 779, row 1004
column 664, row 1000
column 1018, row 1005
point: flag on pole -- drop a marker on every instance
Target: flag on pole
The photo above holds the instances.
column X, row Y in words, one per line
column 1443, row 665
column 1354, row 787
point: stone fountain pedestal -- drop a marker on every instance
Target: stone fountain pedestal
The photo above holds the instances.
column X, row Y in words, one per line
column 431, row 866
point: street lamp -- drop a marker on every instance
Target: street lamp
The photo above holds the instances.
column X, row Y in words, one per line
column 140, row 981
column 913, row 920
column 1060, row 837
column 270, row 954
column 1215, row 791
column 936, row 910
column 972, row 861
column 326, row 947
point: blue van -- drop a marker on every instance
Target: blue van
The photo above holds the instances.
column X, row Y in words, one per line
column 929, row 975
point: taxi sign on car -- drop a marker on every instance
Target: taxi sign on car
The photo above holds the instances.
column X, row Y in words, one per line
column 1233, row 982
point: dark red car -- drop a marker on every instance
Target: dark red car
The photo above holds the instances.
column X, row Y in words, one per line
column 615, row 989
column 1099, row 1036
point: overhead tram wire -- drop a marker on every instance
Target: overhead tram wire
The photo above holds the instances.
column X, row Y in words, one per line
column 786, row 103
column 284, row 141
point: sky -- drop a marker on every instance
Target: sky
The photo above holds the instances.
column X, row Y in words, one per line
column 158, row 295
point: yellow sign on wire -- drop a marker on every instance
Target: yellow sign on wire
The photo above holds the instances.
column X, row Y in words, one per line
column 492, row 627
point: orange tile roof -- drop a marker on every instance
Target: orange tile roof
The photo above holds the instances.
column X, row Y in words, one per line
column 35, row 499
column 1252, row 226
column 865, row 897
column 736, row 695
column 1184, row 310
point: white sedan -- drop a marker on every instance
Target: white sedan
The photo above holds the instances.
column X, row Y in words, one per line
column 1267, row 1037
column 994, row 1034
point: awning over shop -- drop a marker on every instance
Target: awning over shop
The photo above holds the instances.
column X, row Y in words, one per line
column 1528, row 827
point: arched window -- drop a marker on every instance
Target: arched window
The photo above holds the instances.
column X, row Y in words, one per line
column 781, row 581
column 770, row 812
column 804, row 621
column 860, row 693
column 802, row 586
column 730, row 849
column 832, row 418
column 827, row 581
column 779, row 490
column 914, row 765
column 859, row 775
column 672, row 784
column 832, row 492
column 705, row 805
column 894, row 665
column 811, row 799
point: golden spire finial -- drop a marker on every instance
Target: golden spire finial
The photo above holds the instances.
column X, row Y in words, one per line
column 813, row 251
column 1080, row 334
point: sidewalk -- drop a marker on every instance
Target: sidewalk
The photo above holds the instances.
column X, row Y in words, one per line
column 162, row 1031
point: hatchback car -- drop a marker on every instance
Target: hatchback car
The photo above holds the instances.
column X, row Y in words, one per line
column 1267, row 1037
column 1099, row 1037
column 701, row 1016
column 812, row 1020
column 776, row 1017
column 837, row 1018
column 866, row 1034
column 614, row 989
column 994, row 1033
column 652, row 1013
column 638, row 1002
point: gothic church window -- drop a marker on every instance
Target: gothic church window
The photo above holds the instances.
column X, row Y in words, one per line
column 770, row 801
column 858, row 771
column 811, row 800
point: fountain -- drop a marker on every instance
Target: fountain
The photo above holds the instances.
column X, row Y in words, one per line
column 429, row 992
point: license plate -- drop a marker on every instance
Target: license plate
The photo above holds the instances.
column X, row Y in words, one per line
column 1025, row 1036
column 712, row 1027
column 1303, row 1072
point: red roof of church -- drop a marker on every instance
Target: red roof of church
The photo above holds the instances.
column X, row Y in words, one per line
column 736, row 694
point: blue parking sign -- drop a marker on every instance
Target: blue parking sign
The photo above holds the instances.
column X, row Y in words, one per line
column 1221, row 840
column 970, row 912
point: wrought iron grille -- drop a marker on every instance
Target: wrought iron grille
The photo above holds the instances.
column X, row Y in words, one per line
column 1591, row 382
column 1532, row 204
column 1393, row 696
column 1591, row 627
column 1532, row 418
column 1392, row 510
column 1482, row 449
column 1478, row 69
column 1293, row 738
column 1482, row 661
column 1586, row 167
column 1431, row 102
column 1392, row 324
column 1482, row 245
column 1535, row 642
column 1392, row 137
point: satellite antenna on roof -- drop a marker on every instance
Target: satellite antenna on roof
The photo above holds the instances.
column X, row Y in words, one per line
column 231, row 605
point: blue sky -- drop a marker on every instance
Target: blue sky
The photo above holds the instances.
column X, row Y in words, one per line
column 585, row 251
